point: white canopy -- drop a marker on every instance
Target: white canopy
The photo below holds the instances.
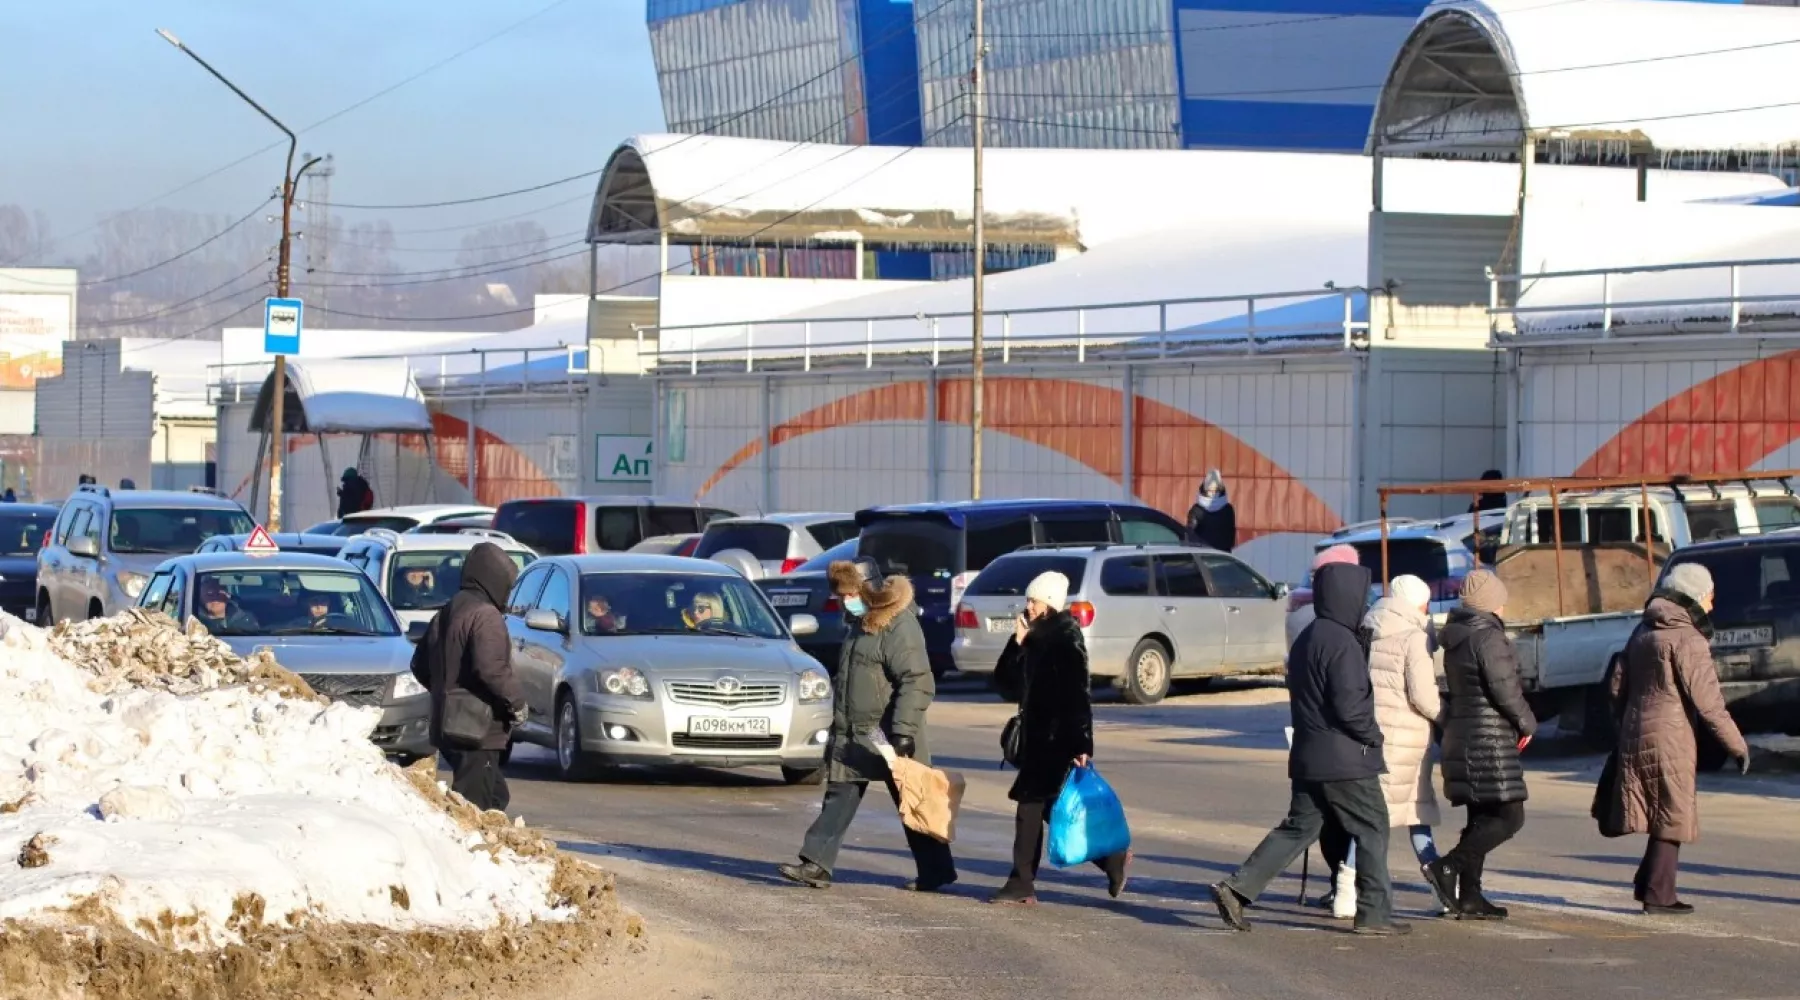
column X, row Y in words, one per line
column 376, row 396
column 1649, row 74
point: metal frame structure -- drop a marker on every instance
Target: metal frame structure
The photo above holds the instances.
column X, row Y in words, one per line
column 1560, row 486
column 225, row 383
column 1711, row 314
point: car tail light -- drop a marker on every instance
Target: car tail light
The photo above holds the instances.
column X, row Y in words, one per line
column 1299, row 599
column 1083, row 613
column 965, row 618
column 790, row 565
column 959, row 583
column 687, row 548
column 46, row 542
column 832, row 605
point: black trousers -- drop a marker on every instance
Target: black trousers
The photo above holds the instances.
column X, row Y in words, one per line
column 826, row 835
column 1028, row 847
column 1360, row 810
column 476, row 776
column 1488, row 827
column 1654, row 884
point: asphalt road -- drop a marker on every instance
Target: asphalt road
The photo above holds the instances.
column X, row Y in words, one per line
column 1202, row 777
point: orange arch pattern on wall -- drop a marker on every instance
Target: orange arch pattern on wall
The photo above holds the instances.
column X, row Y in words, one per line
column 1728, row 423
column 1085, row 422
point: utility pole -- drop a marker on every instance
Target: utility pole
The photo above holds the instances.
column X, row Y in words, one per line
column 289, row 185
column 977, row 385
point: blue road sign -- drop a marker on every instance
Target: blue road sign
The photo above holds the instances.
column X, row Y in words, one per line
column 281, row 326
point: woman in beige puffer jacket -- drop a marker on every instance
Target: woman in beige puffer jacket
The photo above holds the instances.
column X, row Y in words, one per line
column 1406, row 707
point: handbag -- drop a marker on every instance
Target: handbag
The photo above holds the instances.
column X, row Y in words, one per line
column 467, row 720
column 1608, row 809
column 1012, row 735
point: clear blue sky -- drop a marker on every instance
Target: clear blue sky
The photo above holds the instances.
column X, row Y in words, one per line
column 102, row 114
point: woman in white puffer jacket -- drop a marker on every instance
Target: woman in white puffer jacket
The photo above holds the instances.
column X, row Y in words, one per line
column 1406, row 708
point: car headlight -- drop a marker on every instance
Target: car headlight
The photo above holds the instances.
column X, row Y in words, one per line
column 132, row 583
column 814, row 686
column 407, row 686
column 625, row 682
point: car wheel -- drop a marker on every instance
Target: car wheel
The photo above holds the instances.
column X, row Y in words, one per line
column 572, row 762
column 43, row 611
column 95, row 610
column 1146, row 679
column 803, row 775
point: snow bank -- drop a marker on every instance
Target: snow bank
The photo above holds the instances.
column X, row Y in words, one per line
column 186, row 806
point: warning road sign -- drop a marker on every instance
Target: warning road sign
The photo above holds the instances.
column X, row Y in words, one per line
column 259, row 543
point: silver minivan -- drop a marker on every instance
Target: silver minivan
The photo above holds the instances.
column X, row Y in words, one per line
column 1151, row 613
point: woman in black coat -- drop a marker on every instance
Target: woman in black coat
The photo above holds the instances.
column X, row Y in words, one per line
column 1056, row 716
column 1486, row 725
column 1212, row 520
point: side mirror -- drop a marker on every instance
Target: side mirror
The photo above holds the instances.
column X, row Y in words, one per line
column 544, row 621
column 1282, row 590
column 84, row 546
column 416, row 631
column 803, row 625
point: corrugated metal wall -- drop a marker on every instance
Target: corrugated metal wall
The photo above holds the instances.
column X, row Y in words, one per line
column 93, row 418
column 1626, row 409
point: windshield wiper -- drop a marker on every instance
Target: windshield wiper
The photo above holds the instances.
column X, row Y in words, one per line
column 324, row 630
column 729, row 628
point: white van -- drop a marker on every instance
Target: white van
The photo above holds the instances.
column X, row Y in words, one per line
column 1679, row 516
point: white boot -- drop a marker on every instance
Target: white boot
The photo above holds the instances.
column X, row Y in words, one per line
column 1343, row 900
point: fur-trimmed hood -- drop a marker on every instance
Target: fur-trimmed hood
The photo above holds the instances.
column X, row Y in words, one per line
column 886, row 602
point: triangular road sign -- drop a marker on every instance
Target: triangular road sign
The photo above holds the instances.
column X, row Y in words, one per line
column 259, row 543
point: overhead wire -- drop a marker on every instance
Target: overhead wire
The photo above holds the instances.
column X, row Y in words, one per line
column 175, row 308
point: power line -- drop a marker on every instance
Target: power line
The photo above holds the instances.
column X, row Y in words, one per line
column 190, row 251
column 471, row 201
column 175, row 308
column 484, row 271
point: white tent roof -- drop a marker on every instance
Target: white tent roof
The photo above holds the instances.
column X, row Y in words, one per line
column 1687, row 77
column 356, row 397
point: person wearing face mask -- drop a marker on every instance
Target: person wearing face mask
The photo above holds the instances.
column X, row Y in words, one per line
column 882, row 689
column 1212, row 521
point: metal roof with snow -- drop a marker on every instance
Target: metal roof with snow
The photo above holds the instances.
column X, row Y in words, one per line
column 375, row 396
column 1607, row 79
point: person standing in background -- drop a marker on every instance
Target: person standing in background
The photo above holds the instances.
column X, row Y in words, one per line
column 1668, row 689
column 355, row 495
column 1489, row 501
column 1212, row 521
column 1486, row 726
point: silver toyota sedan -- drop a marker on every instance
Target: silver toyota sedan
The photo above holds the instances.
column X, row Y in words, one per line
column 647, row 659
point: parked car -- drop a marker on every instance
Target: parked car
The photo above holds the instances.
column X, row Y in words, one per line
column 667, row 545
column 105, row 544
column 23, row 527
column 355, row 654
column 1151, row 614
column 687, row 664
column 1440, row 552
column 455, row 525
column 323, row 528
column 561, row 526
column 1679, row 516
column 942, row 546
column 296, row 541
column 419, row 573
column 408, row 517
column 806, row 591
column 777, row 543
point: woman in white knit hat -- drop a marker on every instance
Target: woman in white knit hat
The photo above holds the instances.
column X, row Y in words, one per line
column 1049, row 655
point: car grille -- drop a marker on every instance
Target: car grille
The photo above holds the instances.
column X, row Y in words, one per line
column 361, row 690
column 685, row 742
column 747, row 696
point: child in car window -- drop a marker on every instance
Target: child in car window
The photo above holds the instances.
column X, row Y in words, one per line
column 600, row 615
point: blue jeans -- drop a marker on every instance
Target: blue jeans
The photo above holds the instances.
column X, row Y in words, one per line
column 1423, row 846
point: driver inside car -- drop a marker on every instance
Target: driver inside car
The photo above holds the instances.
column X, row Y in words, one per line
column 417, row 587
column 706, row 607
column 213, row 607
column 319, row 609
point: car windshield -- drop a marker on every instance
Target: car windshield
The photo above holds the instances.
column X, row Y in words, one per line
column 173, row 530
column 674, row 604
column 358, row 525
column 23, row 534
column 764, row 541
column 425, row 580
column 837, row 553
column 1753, row 582
column 291, row 602
column 915, row 547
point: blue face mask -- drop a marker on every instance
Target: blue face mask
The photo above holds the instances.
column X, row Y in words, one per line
column 855, row 606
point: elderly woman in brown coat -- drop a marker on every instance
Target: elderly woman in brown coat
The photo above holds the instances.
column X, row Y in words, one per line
column 1667, row 690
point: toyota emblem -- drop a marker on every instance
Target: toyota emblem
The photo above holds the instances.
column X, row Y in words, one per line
column 728, row 685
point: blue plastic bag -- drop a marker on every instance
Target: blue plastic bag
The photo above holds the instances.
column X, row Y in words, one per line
column 1087, row 822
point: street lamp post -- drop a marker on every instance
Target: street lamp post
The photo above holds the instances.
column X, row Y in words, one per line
column 290, row 180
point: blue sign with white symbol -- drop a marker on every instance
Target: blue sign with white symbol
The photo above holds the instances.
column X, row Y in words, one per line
column 281, row 326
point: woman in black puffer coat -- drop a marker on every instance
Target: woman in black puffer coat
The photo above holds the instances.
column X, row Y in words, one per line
column 1486, row 725
column 1049, row 656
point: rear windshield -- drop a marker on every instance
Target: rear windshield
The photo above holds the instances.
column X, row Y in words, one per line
column 832, row 533
column 837, row 553
column 765, row 542
column 545, row 525
column 1008, row 577
column 23, row 534
column 422, row 580
column 1421, row 557
column 358, row 525
column 1754, row 583
column 916, row 547
column 168, row 531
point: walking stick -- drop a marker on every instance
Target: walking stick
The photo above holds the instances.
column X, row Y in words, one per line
column 1305, row 870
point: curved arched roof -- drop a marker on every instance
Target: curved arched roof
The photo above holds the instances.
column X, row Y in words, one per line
column 1628, row 76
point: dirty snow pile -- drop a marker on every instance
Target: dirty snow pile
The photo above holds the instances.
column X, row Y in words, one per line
column 151, row 773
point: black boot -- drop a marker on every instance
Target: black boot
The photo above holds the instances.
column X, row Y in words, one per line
column 1016, row 892
column 1443, row 876
column 1116, row 877
column 1474, row 905
column 806, row 873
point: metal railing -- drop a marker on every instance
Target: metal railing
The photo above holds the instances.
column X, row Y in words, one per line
column 472, row 373
column 1114, row 331
column 1537, row 307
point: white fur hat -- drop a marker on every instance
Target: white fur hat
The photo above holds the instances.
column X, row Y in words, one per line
column 1050, row 588
column 1690, row 579
column 1412, row 591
